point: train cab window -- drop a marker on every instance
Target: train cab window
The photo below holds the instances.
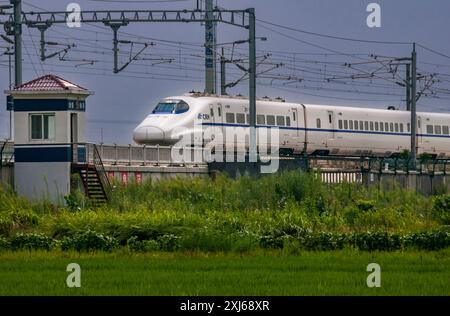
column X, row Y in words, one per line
column 350, row 124
column 356, row 125
column 318, row 123
column 240, row 118
column 408, row 127
column 376, row 126
column 361, row 125
column 386, row 127
column 438, row 129
column 182, row 107
column 371, row 126
column 401, row 128
column 280, row 120
column 396, row 127
column 345, row 124
column 270, row 120
column 445, row 130
column 230, row 117
column 366, row 125
column 261, row 120
column 381, row 126
column 429, row 129
column 288, row 121
column 340, row 124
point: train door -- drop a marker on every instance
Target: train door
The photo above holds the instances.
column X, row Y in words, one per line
column 298, row 122
column 331, row 124
column 419, row 131
column 216, row 114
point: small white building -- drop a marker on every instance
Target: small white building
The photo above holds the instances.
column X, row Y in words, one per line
column 49, row 123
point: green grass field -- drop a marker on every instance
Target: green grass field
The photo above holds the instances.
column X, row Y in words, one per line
column 255, row 273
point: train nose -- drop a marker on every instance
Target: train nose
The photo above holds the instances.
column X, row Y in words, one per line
column 148, row 134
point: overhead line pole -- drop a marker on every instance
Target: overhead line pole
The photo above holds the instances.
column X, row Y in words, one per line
column 17, row 41
column 252, row 85
column 413, row 107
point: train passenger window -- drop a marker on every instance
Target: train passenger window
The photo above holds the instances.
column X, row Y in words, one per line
column 361, row 125
column 366, row 125
column 288, row 121
column 396, row 127
column 371, row 126
column 376, row 126
column 248, row 118
column 429, row 129
column 382, row 126
column 356, row 125
column 392, row 127
column 229, row 117
column 350, row 124
column 329, row 118
column 445, row 130
column 318, row 123
column 261, row 120
column 280, row 120
column 437, row 129
column 386, row 127
column 219, row 111
column 211, row 112
column 345, row 124
column 408, row 127
column 340, row 124
column 293, row 116
column 270, row 120
column 240, row 118
column 401, row 127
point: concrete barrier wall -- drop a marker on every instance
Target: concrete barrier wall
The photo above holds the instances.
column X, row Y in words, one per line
column 7, row 175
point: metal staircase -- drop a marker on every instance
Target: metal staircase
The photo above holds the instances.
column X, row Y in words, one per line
column 93, row 176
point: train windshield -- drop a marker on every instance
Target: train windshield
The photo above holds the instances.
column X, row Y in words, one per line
column 171, row 107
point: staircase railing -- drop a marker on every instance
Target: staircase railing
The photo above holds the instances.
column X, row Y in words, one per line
column 100, row 168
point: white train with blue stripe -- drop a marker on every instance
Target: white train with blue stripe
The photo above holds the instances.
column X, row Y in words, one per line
column 316, row 129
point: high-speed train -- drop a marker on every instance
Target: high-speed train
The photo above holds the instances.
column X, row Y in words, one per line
column 316, row 129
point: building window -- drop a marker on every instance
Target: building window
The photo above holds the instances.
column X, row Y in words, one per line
column 260, row 119
column 280, row 120
column 318, row 123
column 42, row 126
column 438, row 129
column 229, row 117
column 240, row 118
column 270, row 120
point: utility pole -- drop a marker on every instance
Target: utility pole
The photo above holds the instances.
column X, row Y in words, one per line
column 408, row 87
column 413, row 107
column 210, row 49
column 223, row 64
column 252, row 84
column 17, row 41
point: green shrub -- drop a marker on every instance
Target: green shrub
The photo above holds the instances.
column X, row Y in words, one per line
column 441, row 208
column 382, row 241
column 4, row 244
column 428, row 240
column 169, row 242
column 31, row 242
column 6, row 225
column 89, row 241
column 142, row 245
column 323, row 241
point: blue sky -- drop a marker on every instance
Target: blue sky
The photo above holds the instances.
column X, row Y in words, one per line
column 122, row 100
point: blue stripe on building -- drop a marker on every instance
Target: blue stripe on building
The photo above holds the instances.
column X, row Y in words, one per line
column 29, row 105
column 43, row 154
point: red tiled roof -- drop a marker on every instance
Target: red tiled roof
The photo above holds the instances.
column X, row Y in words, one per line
column 49, row 83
